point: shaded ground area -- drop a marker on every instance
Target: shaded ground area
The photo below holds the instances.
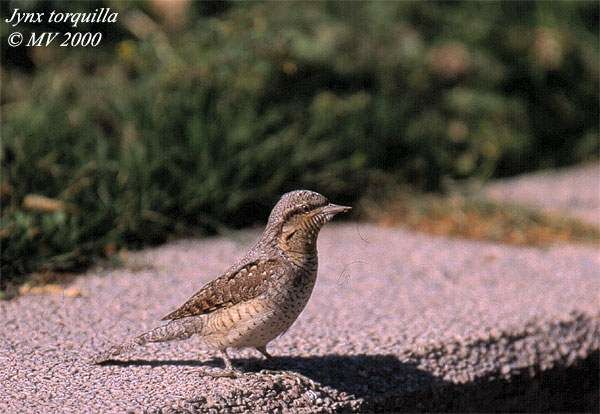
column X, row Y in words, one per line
column 398, row 320
column 574, row 191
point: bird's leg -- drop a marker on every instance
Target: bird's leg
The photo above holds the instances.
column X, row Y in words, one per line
column 226, row 360
column 264, row 352
column 229, row 370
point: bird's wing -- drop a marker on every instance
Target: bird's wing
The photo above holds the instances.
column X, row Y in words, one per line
column 239, row 284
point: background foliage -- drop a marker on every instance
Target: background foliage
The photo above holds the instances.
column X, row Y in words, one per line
column 196, row 115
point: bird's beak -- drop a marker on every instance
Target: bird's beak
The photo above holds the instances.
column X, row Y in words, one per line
column 335, row 209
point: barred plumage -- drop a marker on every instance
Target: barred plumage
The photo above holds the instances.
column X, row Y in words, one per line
column 261, row 295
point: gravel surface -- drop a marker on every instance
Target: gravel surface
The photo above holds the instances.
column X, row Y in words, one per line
column 394, row 315
column 574, row 191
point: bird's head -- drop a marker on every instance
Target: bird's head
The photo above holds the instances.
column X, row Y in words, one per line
column 298, row 217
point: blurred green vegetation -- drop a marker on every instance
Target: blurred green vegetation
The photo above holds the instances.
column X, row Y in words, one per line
column 194, row 116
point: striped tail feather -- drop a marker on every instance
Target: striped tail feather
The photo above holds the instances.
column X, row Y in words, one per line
column 176, row 330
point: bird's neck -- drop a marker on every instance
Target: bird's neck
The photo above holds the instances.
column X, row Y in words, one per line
column 300, row 244
column 306, row 260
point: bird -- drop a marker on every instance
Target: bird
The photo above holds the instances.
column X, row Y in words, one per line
column 259, row 297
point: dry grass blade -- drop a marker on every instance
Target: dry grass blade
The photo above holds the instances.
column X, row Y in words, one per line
column 478, row 219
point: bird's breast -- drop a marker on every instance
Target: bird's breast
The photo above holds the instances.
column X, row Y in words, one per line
column 260, row 320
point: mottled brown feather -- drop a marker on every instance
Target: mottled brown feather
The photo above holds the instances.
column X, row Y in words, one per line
column 240, row 284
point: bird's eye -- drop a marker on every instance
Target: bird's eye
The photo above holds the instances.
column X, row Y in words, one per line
column 305, row 207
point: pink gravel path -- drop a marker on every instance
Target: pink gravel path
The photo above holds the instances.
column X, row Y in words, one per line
column 572, row 191
column 394, row 317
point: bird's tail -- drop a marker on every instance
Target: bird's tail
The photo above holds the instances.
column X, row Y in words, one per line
column 173, row 331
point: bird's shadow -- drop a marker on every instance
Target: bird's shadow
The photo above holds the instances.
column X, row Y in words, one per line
column 386, row 384
column 369, row 377
column 162, row 362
